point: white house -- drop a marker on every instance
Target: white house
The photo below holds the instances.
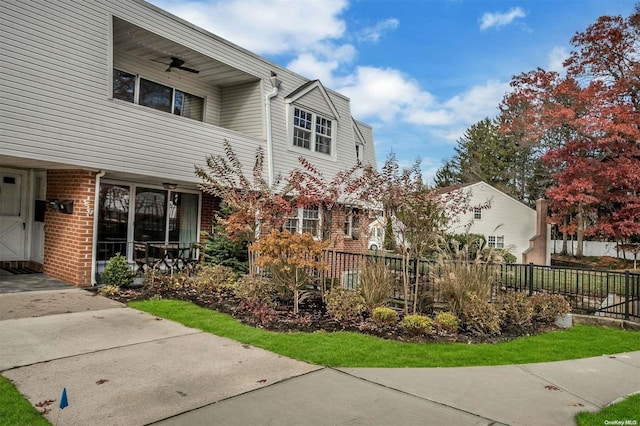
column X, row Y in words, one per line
column 105, row 108
column 507, row 223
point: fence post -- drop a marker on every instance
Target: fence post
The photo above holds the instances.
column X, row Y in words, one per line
column 530, row 276
column 627, row 279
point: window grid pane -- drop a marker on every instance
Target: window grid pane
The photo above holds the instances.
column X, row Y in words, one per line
column 500, row 241
column 492, row 241
column 310, row 220
column 302, row 138
column 477, row 213
column 291, row 225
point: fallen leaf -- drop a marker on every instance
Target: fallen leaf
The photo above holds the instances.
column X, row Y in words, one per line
column 576, row 404
column 45, row 411
column 181, row 393
column 612, row 357
column 551, row 387
column 262, row 381
column 101, row 381
column 45, row 403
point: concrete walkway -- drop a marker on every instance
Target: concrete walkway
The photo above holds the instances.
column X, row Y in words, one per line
column 125, row 367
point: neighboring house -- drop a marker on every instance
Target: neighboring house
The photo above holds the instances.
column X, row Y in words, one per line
column 507, row 223
column 105, row 108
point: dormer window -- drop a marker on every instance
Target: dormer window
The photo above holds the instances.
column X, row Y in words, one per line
column 312, row 131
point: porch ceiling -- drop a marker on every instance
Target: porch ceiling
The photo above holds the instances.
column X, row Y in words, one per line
column 148, row 46
column 30, row 163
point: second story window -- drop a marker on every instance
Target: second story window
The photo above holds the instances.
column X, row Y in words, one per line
column 312, row 132
column 477, row 213
column 135, row 89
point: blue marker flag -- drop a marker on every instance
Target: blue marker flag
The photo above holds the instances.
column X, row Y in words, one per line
column 63, row 399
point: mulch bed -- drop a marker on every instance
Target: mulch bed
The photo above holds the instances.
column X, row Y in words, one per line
column 312, row 317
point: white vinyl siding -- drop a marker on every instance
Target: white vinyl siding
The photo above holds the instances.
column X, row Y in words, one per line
column 242, row 110
column 56, row 84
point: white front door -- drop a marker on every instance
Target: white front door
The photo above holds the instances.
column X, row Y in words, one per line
column 13, row 212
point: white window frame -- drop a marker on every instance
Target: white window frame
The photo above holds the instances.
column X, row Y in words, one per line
column 136, row 95
column 348, row 228
column 314, row 135
column 495, row 241
column 477, row 213
column 301, row 214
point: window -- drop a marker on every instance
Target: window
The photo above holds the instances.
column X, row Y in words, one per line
column 305, row 135
column 157, row 96
column 352, row 224
column 124, row 86
column 359, row 152
column 496, row 241
column 477, row 213
column 306, row 219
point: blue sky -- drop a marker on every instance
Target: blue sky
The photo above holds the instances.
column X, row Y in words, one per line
column 419, row 71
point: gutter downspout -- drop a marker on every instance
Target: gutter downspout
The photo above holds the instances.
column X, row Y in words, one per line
column 275, row 82
column 96, row 206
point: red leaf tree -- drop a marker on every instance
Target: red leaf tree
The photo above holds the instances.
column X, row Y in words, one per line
column 589, row 125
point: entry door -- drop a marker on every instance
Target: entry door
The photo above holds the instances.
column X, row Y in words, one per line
column 13, row 211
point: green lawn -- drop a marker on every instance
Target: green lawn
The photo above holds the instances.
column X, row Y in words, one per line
column 347, row 349
column 356, row 350
column 627, row 412
column 15, row 409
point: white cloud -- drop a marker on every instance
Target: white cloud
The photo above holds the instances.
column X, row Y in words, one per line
column 375, row 33
column 498, row 19
column 312, row 68
column 382, row 93
column 265, row 26
column 556, row 57
column 478, row 102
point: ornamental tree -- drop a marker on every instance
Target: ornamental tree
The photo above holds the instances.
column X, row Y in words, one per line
column 292, row 259
column 251, row 200
column 589, row 125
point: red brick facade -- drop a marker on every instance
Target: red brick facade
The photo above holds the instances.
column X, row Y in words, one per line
column 69, row 237
column 210, row 205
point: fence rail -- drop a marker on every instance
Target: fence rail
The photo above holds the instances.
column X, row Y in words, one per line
column 603, row 293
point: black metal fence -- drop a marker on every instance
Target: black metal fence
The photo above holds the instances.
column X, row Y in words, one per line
column 603, row 293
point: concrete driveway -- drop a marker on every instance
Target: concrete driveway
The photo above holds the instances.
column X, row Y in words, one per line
column 124, row 367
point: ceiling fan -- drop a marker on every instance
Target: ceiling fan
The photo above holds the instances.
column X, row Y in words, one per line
column 178, row 63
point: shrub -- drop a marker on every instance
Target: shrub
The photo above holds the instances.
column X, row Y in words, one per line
column 219, row 249
column 259, row 312
column 376, row 284
column 383, row 315
column 344, row 305
column 290, row 258
column 158, row 283
column 108, row 290
column 117, row 272
column 547, row 307
column 517, row 310
column 256, row 288
column 509, row 258
column 460, row 272
column 214, row 278
column 417, row 325
column 446, row 323
column 480, row 317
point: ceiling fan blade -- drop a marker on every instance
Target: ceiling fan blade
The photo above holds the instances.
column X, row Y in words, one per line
column 189, row 69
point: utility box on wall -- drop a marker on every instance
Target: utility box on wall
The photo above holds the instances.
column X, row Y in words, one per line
column 66, row 206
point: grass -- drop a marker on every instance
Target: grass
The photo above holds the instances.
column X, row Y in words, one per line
column 348, row 349
column 626, row 412
column 15, row 409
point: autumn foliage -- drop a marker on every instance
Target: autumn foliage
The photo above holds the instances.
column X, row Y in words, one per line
column 290, row 259
column 589, row 125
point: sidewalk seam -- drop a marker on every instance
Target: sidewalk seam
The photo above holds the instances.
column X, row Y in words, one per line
column 491, row 421
column 526, row 370
column 100, row 350
column 286, row 379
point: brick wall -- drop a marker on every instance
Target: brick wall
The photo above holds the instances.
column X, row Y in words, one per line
column 69, row 237
column 210, row 204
